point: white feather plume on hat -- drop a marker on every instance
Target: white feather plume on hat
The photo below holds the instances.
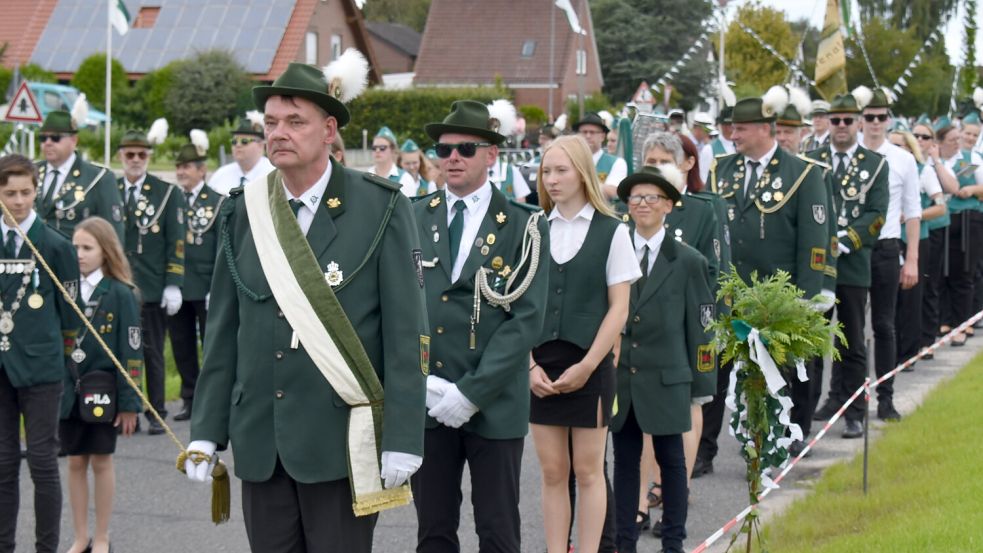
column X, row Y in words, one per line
column 774, row 101
column 606, row 117
column 889, row 94
column 561, row 122
column 728, row 95
column 158, row 132
column 800, row 99
column 200, row 140
column 503, row 111
column 673, row 175
column 862, row 95
column 255, row 118
column 978, row 97
column 80, row 110
column 347, row 76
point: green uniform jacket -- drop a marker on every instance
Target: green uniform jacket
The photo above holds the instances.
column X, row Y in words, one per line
column 667, row 358
column 860, row 203
column 694, row 223
column 832, row 250
column 88, row 190
column 41, row 337
column 201, row 244
column 155, row 237
column 781, row 224
column 270, row 400
column 495, row 374
column 117, row 320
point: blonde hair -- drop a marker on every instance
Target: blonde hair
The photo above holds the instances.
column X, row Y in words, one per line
column 912, row 143
column 114, row 263
column 576, row 148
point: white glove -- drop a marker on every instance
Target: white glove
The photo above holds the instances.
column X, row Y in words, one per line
column 436, row 388
column 171, row 300
column 825, row 301
column 202, row 471
column 454, row 409
column 702, row 400
column 844, row 249
column 208, row 297
column 398, row 467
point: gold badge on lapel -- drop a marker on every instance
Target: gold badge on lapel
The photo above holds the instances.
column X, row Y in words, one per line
column 435, row 202
column 490, row 239
column 484, row 250
column 334, row 276
column 500, row 218
column 76, row 173
column 497, row 263
column 333, row 203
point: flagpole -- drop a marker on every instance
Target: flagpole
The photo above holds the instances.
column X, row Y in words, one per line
column 109, row 77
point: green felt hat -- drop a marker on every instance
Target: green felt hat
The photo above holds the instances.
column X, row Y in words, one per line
column 751, row 110
column 384, row 132
column 726, row 115
column 246, row 126
column 409, row 146
column 466, row 117
column 58, row 122
column 591, row 119
column 844, row 103
column 943, row 121
column 790, row 117
column 648, row 174
column 305, row 81
column 880, row 99
column 134, row 138
column 189, row 153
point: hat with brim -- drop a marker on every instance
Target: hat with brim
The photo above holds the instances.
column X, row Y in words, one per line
column 466, row 117
column 189, row 154
column 751, row 110
column 844, row 103
column 247, row 127
column 647, row 175
column 879, row 100
column 790, row 117
column 591, row 119
column 134, row 138
column 303, row 81
column 819, row 107
column 58, row 122
column 725, row 117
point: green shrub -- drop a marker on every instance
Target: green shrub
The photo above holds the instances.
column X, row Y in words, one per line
column 36, row 73
column 205, row 92
column 594, row 102
column 534, row 115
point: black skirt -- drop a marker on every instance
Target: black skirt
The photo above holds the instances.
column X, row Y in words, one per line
column 578, row 408
column 78, row 437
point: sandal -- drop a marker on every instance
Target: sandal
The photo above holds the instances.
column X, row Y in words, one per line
column 969, row 332
column 944, row 329
column 643, row 521
column 655, row 497
column 956, row 342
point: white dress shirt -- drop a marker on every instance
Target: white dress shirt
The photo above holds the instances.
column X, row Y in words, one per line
column 477, row 206
column 63, row 170
column 24, row 225
column 194, row 192
column 406, row 184
column 762, row 164
column 706, row 156
column 88, row 284
column 229, row 176
column 975, row 159
column 520, row 187
column 617, row 173
column 905, row 188
column 311, row 199
column 835, row 159
column 567, row 237
column 929, row 180
column 654, row 244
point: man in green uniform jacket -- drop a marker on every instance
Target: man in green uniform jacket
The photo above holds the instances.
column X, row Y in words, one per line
column 302, row 337
column 73, row 189
column 860, row 199
column 478, row 391
column 154, row 247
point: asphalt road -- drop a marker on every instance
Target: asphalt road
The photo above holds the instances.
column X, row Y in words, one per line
column 157, row 510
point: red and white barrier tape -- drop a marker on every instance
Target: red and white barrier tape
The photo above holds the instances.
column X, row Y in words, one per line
column 867, row 386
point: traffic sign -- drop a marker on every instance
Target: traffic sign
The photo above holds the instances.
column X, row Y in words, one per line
column 23, row 107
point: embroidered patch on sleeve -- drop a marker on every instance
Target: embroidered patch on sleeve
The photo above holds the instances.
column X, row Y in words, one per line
column 705, row 358
column 425, row 354
column 817, row 261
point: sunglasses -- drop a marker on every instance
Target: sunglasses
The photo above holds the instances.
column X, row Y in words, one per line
column 132, row 155
column 835, row 121
column 871, row 117
column 382, row 148
column 56, row 138
column 243, row 141
column 648, row 198
column 466, row 149
column 922, row 136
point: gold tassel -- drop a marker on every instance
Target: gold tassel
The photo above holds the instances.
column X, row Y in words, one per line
column 221, row 494
column 375, row 502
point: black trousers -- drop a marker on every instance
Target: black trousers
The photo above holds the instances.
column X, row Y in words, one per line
column 40, row 406
column 965, row 250
column 802, row 395
column 909, row 317
column 713, row 416
column 286, row 516
column 152, row 317
column 849, row 372
column 675, row 491
column 607, row 544
column 885, row 277
column 934, row 273
column 495, row 466
column 186, row 328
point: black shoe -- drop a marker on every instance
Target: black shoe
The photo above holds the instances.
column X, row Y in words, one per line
column 645, row 523
column 185, row 413
column 886, row 411
column 155, row 429
column 854, row 429
column 826, row 412
column 701, row 467
column 657, row 528
column 796, row 448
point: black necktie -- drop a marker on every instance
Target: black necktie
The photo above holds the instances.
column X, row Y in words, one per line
column 189, row 195
column 645, row 267
column 50, row 192
column 242, row 180
column 840, row 171
column 456, row 229
column 752, row 168
column 10, row 246
column 295, row 206
column 131, row 198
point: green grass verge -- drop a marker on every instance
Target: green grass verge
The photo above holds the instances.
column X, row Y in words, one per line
column 925, row 485
column 172, row 380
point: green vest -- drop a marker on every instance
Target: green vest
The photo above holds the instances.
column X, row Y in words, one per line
column 422, row 186
column 507, row 187
column 957, row 204
column 938, row 222
column 395, row 178
column 717, row 146
column 578, row 300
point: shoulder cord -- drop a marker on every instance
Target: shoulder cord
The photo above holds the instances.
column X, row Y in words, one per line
column 531, row 241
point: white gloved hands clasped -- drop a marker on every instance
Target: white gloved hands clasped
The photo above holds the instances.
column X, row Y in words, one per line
column 454, row 409
column 824, row 301
column 171, row 300
column 844, row 249
column 436, row 388
column 397, row 468
column 201, row 471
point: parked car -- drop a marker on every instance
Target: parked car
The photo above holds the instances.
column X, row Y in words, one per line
column 52, row 97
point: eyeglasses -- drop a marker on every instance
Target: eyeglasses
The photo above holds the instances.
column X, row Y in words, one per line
column 835, row 121
column 648, row 198
column 382, row 148
column 871, row 117
column 466, row 149
column 922, row 136
column 56, row 138
column 132, row 155
column 243, row 141
column 590, row 132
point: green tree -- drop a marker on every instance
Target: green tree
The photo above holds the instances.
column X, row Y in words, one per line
column 412, row 13
column 753, row 68
column 641, row 39
column 90, row 78
column 922, row 16
column 205, row 91
column 967, row 75
column 35, row 73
